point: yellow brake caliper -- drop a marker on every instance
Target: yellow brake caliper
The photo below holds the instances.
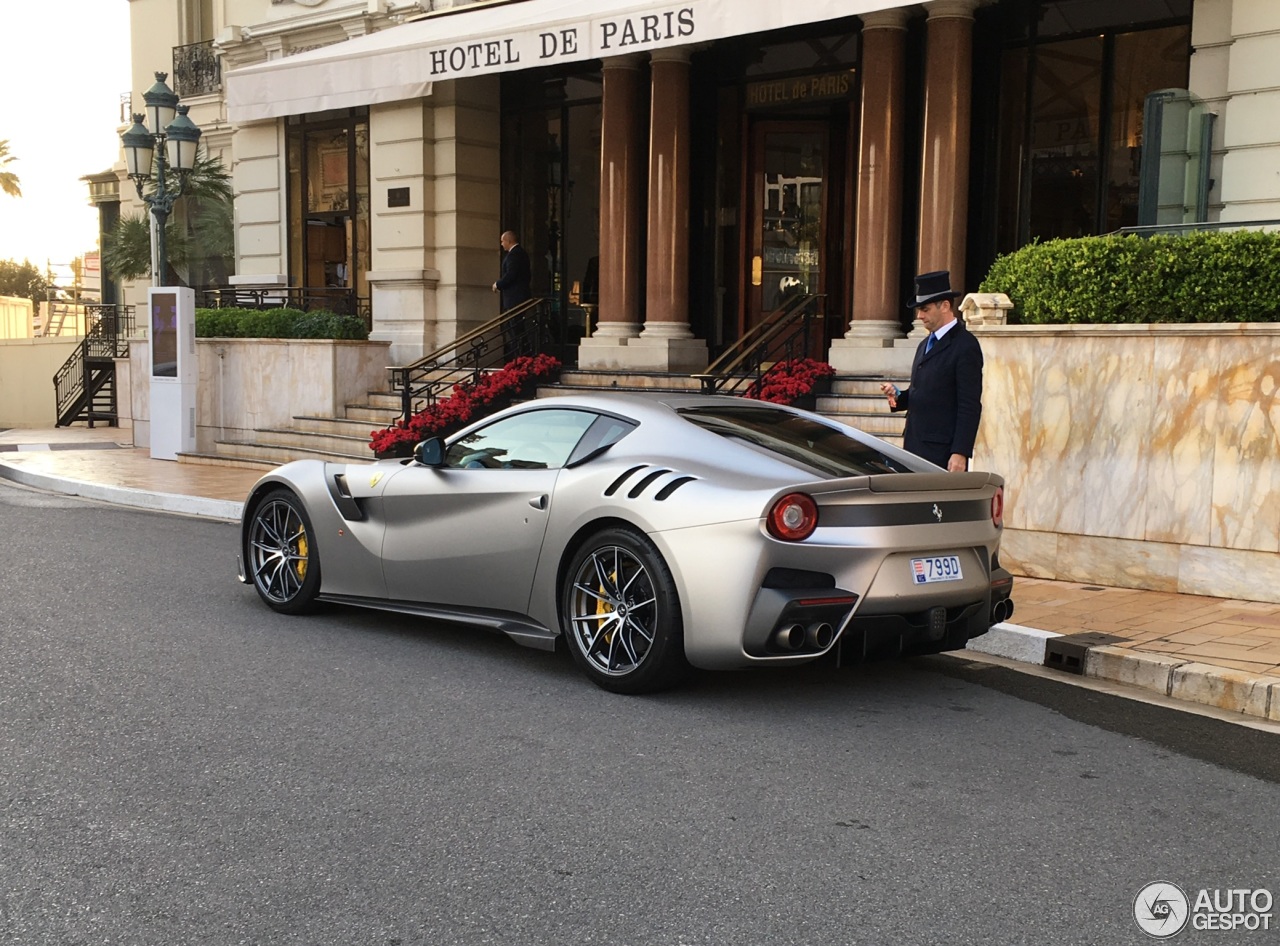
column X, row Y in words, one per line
column 603, row 607
column 301, row 567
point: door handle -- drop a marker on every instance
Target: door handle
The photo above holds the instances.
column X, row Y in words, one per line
column 539, row 502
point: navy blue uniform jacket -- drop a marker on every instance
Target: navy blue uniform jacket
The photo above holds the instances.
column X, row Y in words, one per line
column 944, row 402
column 513, row 284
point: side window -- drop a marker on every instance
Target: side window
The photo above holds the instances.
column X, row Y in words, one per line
column 532, row 440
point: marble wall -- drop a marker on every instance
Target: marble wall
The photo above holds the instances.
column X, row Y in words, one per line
column 1143, row 456
column 247, row 384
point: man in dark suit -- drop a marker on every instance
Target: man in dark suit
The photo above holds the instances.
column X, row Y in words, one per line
column 513, row 281
column 944, row 401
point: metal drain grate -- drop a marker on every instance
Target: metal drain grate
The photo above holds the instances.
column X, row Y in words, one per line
column 1067, row 653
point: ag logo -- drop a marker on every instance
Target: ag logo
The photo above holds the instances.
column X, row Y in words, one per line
column 1161, row 909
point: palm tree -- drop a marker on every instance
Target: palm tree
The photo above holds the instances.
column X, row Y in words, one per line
column 8, row 180
column 199, row 238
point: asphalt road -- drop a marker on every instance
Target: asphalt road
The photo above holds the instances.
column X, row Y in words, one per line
column 180, row 765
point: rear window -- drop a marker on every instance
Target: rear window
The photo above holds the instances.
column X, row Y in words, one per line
column 795, row 438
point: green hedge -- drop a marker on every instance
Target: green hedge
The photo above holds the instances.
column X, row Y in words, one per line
column 277, row 323
column 1200, row 277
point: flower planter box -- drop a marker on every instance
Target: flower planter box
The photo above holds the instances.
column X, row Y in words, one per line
column 469, row 402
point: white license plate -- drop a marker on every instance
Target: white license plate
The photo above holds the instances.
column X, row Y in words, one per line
column 938, row 568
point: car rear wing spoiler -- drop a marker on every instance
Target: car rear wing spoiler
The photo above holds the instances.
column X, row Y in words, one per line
column 939, row 482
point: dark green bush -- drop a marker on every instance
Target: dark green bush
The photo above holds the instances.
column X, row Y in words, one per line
column 1199, row 277
column 277, row 323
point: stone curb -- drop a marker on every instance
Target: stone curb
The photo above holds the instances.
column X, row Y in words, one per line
column 1232, row 690
column 224, row 509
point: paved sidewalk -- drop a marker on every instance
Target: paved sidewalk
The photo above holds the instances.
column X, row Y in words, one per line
column 1214, row 651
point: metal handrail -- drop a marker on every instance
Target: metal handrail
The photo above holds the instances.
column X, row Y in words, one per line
column 524, row 329
column 783, row 334
column 107, row 337
column 1178, row 229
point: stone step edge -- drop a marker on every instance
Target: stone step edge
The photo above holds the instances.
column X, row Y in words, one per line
column 326, row 454
column 218, row 459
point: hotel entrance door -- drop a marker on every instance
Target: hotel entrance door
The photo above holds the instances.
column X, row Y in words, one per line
column 787, row 230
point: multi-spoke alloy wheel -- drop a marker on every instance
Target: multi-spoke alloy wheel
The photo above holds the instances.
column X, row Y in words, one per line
column 282, row 555
column 622, row 616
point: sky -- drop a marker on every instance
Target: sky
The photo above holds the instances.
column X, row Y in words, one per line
column 63, row 69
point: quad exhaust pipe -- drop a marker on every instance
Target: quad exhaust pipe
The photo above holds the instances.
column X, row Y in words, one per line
column 789, row 637
column 820, row 635
column 1002, row 610
column 817, row 636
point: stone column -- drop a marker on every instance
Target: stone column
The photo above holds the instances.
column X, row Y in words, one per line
column 667, row 342
column 944, row 171
column 877, row 296
column 621, row 221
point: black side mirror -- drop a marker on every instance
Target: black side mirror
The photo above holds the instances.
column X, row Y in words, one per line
column 430, row 452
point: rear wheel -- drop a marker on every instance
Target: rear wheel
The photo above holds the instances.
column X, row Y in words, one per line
column 621, row 614
column 283, row 562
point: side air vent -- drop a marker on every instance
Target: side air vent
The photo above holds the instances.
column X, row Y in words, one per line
column 617, row 484
column 644, row 483
column 673, row 486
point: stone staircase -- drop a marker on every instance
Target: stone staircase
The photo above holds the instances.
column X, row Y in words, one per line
column 856, row 401
column 340, row 439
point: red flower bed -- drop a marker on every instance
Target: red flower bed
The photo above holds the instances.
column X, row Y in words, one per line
column 788, row 381
column 469, row 401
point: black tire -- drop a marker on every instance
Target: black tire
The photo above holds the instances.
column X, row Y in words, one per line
column 620, row 614
column 281, row 555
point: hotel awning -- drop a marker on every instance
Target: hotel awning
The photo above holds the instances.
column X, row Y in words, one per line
column 402, row 61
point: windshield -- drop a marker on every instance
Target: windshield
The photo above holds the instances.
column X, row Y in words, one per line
column 800, row 439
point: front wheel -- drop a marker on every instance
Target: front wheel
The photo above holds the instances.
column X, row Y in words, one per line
column 281, row 552
column 621, row 614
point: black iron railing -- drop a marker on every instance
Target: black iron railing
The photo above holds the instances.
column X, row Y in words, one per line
column 90, row 370
column 196, row 70
column 522, row 330
column 341, row 301
column 792, row 331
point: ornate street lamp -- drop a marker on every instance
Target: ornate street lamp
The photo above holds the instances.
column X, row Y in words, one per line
column 169, row 143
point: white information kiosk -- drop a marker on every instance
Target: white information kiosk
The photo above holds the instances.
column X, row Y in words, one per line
column 173, row 371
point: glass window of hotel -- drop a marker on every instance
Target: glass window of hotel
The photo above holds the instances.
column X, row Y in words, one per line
column 551, row 189
column 329, row 205
column 1071, row 112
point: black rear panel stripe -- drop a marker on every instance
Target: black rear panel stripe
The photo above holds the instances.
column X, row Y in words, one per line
column 905, row 514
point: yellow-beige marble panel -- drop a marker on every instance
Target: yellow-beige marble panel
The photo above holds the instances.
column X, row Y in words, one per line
column 1246, row 479
column 1182, row 439
column 1033, row 554
column 1053, row 466
column 1229, row 573
column 1087, row 464
column 1120, row 563
column 1006, row 420
column 1115, row 382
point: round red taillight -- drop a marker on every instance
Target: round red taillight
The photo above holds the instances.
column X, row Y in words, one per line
column 997, row 508
column 793, row 517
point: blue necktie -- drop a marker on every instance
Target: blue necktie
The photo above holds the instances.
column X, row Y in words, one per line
column 928, row 346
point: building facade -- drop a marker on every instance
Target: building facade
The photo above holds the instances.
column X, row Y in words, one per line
column 678, row 170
